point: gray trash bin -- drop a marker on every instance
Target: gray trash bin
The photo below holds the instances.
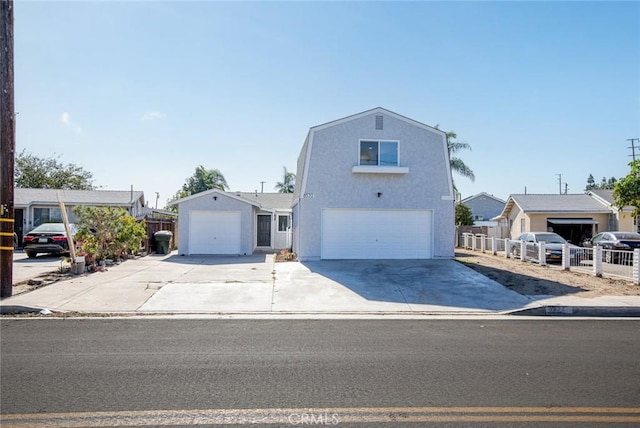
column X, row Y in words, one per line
column 163, row 241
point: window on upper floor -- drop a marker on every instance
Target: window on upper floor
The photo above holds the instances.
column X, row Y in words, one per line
column 378, row 153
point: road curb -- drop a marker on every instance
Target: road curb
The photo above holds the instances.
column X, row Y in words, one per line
column 19, row 309
column 580, row 311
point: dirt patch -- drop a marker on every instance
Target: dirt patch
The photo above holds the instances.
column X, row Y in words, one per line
column 531, row 279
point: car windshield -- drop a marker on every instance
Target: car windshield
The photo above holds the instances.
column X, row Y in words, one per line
column 50, row 227
column 629, row 235
column 550, row 238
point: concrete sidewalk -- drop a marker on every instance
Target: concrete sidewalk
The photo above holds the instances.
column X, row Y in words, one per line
column 257, row 285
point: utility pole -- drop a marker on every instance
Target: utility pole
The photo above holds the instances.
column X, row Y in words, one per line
column 7, row 147
column 157, row 197
column 566, row 188
column 633, row 147
column 262, row 186
column 559, row 183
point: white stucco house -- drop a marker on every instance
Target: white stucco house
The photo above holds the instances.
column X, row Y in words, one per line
column 233, row 223
column 374, row 185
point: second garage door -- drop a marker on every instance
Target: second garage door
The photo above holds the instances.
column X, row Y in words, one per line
column 214, row 232
column 376, row 234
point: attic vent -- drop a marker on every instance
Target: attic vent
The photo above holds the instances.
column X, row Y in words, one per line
column 378, row 122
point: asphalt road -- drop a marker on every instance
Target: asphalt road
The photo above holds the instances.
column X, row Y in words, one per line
column 151, row 372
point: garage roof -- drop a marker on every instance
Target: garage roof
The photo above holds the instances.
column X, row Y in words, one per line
column 546, row 203
column 265, row 201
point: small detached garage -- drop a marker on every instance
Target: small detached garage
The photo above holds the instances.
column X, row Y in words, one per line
column 233, row 223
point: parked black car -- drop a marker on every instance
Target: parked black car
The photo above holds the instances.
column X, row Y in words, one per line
column 625, row 241
column 47, row 238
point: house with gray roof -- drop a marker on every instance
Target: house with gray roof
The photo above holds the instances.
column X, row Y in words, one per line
column 33, row 207
column 374, row 185
column 575, row 217
column 483, row 208
column 233, row 223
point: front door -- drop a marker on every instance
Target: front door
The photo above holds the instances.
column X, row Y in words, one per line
column 264, row 230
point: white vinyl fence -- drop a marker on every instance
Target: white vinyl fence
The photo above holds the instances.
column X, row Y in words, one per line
column 597, row 261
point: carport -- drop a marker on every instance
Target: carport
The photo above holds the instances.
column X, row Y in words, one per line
column 575, row 230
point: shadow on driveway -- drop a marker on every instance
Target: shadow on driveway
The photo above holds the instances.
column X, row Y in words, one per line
column 419, row 282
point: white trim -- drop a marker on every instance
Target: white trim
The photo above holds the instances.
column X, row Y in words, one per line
column 305, row 173
column 288, row 216
column 373, row 169
column 379, row 110
column 216, row 192
column 477, row 195
column 378, row 140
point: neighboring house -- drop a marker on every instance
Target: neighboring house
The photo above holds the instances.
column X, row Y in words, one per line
column 575, row 217
column 218, row 222
column 483, row 208
column 623, row 220
column 33, row 207
column 375, row 185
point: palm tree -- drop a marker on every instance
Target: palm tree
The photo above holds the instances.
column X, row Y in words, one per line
column 287, row 183
column 457, row 165
column 204, row 179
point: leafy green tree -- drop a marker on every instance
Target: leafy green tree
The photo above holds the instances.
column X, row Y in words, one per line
column 626, row 191
column 202, row 179
column 108, row 232
column 288, row 182
column 464, row 217
column 32, row 171
column 604, row 183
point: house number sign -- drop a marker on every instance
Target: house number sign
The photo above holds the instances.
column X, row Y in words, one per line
column 308, row 196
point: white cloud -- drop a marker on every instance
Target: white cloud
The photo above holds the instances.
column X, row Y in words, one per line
column 65, row 119
column 153, row 115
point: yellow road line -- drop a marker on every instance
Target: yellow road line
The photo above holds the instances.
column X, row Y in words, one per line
column 332, row 416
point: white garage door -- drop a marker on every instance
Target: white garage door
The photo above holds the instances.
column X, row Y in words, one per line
column 214, row 232
column 376, row 234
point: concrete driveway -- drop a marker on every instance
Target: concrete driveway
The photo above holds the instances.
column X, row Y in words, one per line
column 254, row 284
column 25, row 268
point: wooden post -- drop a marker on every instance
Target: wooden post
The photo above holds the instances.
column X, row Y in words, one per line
column 7, row 148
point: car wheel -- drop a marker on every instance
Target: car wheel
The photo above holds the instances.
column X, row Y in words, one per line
column 31, row 254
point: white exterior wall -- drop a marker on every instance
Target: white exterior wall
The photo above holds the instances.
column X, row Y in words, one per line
column 222, row 203
column 281, row 240
column 328, row 180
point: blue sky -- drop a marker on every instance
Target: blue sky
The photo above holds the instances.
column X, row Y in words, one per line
column 141, row 93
